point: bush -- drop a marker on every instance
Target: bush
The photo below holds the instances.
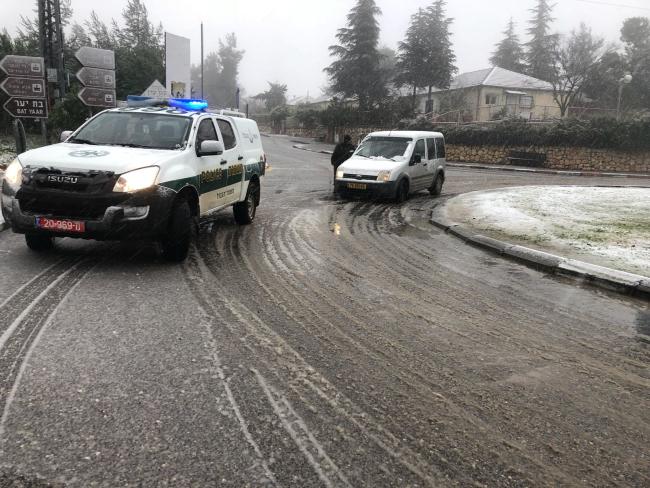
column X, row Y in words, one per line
column 594, row 133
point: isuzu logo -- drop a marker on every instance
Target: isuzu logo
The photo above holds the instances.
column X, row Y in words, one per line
column 62, row 179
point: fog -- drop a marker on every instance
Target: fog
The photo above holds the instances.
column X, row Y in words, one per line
column 287, row 40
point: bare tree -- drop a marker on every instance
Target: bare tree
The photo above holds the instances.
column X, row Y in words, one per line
column 575, row 58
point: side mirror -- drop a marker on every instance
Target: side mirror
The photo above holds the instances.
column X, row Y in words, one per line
column 65, row 135
column 417, row 159
column 210, row 148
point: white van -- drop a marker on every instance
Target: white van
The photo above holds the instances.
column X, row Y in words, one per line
column 137, row 172
column 394, row 164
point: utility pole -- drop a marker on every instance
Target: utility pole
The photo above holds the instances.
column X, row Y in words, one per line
column 202, row 97
column 50, row 31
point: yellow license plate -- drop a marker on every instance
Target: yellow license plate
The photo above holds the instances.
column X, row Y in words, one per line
column 357, row 186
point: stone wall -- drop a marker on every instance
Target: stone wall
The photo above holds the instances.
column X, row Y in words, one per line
column 569, row 158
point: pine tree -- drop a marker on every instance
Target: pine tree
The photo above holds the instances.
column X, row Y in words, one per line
column 229, row 59
column 412, row 52
column 539, row 55
column 439, row 63
column 356, row 71
column 509, row 53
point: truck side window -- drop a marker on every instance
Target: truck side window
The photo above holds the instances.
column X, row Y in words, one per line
column 440, row 146
column 228, row 134
column 431, row 149
column 419, row 149
column 206, row 132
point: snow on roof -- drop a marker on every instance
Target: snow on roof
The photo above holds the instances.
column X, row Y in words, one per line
column 411, row 134
column 499, row 77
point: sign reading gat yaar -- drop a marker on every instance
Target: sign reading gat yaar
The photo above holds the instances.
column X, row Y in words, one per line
column 25, row 85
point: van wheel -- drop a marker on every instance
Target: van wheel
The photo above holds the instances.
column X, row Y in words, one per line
column 39, row 242
column 245, row 211
column 176, row 244
column 402, row 193
column 436, row 188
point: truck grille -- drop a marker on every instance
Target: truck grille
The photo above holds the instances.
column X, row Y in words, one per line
column 354, row 176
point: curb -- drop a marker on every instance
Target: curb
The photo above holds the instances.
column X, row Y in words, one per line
column 600, row 276
column 303, row 148
column 547, row 171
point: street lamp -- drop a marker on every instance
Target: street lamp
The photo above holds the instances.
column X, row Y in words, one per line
column 626, row 80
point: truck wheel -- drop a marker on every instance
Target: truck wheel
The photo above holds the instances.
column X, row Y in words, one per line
column 39, row 242
column 176, row 243
column 436, row 188
column 245, row 211
column 402, row 192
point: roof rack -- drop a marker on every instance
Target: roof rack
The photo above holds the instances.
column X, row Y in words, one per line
column 227, row 111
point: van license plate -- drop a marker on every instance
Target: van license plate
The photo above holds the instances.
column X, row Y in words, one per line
column 60, row 225
column 357, row 186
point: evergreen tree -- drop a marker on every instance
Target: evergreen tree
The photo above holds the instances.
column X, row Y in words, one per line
column 275, row 96
column 426, row 55
column 356, row 71
column 539, row 55
column 227, row 79
column 412, row 52
column 636, row 36
column 439, row 63
column 509, row 53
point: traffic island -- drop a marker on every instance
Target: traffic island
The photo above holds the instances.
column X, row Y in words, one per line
column 600, row 235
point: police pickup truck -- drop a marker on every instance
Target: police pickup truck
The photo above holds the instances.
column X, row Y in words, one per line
column 145, row 171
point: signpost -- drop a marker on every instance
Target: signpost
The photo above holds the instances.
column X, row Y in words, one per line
column 31, row 108
column 23, row 87
column 96, row 58
column 97, row 97
column 28, row 66
column 98, row 77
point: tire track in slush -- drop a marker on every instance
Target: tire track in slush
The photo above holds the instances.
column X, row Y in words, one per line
column 264, row 344
column 22, row 334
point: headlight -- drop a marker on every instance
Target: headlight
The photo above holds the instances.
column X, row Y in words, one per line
column 14, row 173
column 136, row 180
column 339, row 173
column 383, row 176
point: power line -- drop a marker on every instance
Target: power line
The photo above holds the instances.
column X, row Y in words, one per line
column 610, row 4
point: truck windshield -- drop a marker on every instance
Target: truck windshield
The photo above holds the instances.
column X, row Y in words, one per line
column 135, row 129
column 383, row 147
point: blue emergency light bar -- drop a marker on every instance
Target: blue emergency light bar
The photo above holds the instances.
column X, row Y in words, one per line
column 191, row 105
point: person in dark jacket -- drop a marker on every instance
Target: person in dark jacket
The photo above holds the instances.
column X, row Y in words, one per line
column 342, row 153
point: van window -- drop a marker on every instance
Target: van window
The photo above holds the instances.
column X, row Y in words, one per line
column 228, row 134
column 419, row 149
column 206, row 132
column 440, row 146
column 431, row 149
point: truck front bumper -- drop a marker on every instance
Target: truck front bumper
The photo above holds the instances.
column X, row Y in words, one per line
column 365, row 188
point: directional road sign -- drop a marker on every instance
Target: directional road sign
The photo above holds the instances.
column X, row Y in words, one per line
column 29, row 66
column 23, row 87
column 97, row 78
column 96, row 58
column 97, row 97
column 30, row 108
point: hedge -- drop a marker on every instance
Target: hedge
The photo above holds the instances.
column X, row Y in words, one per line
column 595, row 133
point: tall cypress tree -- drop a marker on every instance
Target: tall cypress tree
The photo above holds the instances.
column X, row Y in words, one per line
column 356, row 71
column 539, row 55
column 509, row 53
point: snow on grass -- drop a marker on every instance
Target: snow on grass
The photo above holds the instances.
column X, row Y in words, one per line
column 604, row 226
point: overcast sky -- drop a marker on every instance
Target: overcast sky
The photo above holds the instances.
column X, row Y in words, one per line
column 287, row 40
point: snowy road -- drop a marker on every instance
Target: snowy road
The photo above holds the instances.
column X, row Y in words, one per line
column 329, row 344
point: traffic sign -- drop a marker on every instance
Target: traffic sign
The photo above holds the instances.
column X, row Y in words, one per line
column 29, row 66
column 156, row 90
column 96, row 58
column 97, row 97
column 30, row 108
column 97, row 78
column 23, row 87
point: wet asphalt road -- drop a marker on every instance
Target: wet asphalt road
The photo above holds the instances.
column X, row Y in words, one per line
column 329, row 344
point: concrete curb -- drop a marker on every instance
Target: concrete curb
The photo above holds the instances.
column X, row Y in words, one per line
column 517, row 169
column 303, row 148
column 600, row 276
